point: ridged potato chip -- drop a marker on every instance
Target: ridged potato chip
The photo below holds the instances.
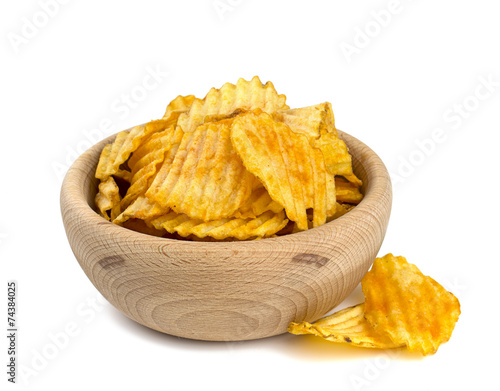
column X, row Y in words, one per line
column 108, row 198
column 207, row 179
column 408, row 307
column 146, row 161
column 259, row 202
column 178, row 105
column 318, row 124
column 115, row 154
column 311, row 121
column 262, row 226
column 159, row 141
column 337, row 158
column 141, row 208
column 346, row 326
column 245, row 95
column 347, row 191
column 292, row 171
column 354, row 180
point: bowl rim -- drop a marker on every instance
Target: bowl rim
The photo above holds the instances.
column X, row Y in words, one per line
column 73, row 199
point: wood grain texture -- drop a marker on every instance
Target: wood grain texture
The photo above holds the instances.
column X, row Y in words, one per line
column 226, row 291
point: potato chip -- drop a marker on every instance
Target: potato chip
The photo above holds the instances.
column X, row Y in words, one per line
column 292, row 171
column 179, row 105
column 354, row 180
column 245, row 95
column 157, row 141
column 337, row 158
column 346, row 326
column 311, row 121
column 410, row 308
column 264, row 225
column 126, row 175
column 259, row 202
column 207, row 179
column 164, row 170
column 141, row 208
column 150, row 155
column 347, row 191
column 108, row 198
column 318, row 124
column 331, row 196
column 115, row 154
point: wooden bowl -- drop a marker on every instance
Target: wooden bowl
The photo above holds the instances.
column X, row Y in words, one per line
column 226, row 291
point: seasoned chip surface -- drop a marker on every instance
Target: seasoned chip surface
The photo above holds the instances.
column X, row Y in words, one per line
column 337, row 158
column 311, row 121
column 146, row 161
column 245, row 95
column 410, row 308
column 179, row 105
column 292, row 171
column 141, row 208
column 207, row 179
column 126, row 142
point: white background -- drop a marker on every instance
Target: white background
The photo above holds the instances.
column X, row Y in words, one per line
column 394, row 71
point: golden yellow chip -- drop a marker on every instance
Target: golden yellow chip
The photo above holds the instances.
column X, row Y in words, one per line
column 337, row 158
column 108, row 198
column 123, row 174
column 259, row 202
column 207, row 179
column 150, row 155
column 158, row 141
column 311, row 121
column 179, row 105
column 346, row 326
column 347, row 191
column 141, row 208
column 115, row 154
column 354, row 180
column 164, row 170
column 318, row 124
column 245, row 95
column 410, row 308
column 292, row 171
column 263, row 226
column 331, row 196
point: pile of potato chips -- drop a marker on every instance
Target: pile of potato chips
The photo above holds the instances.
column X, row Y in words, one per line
column 236, row 165
column 402, row 308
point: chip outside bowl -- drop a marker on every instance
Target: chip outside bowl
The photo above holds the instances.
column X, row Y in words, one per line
column 226, row 291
